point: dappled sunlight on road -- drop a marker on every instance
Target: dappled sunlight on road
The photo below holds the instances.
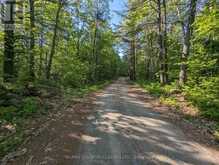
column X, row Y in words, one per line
column 127, row 125
column 120, row 127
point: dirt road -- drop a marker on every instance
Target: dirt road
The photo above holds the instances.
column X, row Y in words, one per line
column 119, row 129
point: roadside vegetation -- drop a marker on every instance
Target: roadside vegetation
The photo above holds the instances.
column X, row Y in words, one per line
column 63, row 49
column 206, row 101
column 55, row 53
column 24, row 112
column 173, row 53
column 199, row 103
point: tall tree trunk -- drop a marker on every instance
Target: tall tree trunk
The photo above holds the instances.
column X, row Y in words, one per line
column 32, row 40
column 165, row 41
column 41, row 54
column 9, row 40
column 41, row 40
column 78, row 46
column 187, row 41
column 8, row 66
column 162, row 42
column 133, row 60
column 94, row 50
column 52, row 51
column 150, row 66
column 147, row 56
column 78, row 24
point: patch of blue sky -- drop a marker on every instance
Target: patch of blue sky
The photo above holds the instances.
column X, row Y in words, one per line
column 117, row 6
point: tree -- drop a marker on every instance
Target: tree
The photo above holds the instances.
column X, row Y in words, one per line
column 32, row 39
column 53, row 45
column 9, row 40
column 162, row 35
column 188, row 30
column 100, row 16
column 132, row 59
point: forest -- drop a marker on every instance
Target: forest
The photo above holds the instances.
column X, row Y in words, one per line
column 173, row 48
column 54, row 50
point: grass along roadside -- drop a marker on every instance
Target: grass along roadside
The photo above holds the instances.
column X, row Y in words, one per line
column 17, row 122
column 191, row 103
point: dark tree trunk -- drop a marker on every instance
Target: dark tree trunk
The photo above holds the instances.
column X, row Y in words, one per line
column 52, row 51
column 95, row 55
column 32, row 40
column 9, row 40
column 78, row 46
column 187, row 42
column 8, row 66
column 41, row 54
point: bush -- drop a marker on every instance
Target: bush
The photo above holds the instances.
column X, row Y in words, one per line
column 8, row 113
column 157, row 90
column 72, row 72
column 152, row 88
column 205, row 96
column 30, row 106
column 170, row 101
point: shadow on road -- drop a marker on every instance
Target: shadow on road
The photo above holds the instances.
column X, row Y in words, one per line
column 119, row 129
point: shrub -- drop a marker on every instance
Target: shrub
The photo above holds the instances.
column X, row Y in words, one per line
column 205, row 96
column 30, row 106
column 8, row 113
column 170, row 101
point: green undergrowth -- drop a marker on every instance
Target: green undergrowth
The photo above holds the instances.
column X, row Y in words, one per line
column 203, row 96
column 170, row 101
column 28, row 107
column 10, row 143
column 25, row 108
column 14, row 118
column 164, row 93
column 81, row 92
